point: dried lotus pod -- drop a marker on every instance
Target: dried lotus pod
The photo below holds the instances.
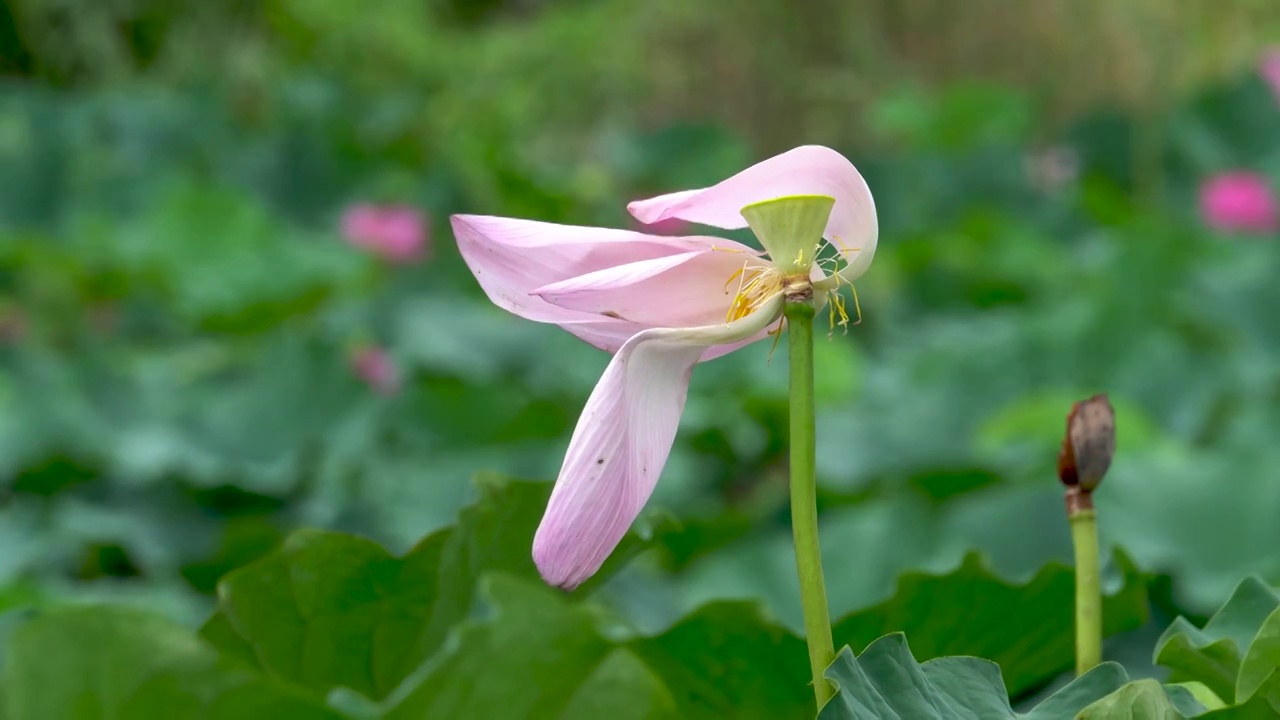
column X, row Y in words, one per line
column 1089, row 443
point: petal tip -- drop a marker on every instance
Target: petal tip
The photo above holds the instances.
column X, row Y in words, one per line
column 460, row 222
column 552, row 575
column 642, row 211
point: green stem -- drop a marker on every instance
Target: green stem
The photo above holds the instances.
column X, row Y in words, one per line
column 804, row 499
column 1084, row 536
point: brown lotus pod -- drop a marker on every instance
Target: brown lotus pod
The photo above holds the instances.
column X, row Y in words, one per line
column 1089, row 443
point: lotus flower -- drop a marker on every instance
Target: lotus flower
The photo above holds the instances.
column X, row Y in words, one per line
column 662, row 305
column 375, row 367
column 1239, row 201
column 1270, row 69
column 398, row 234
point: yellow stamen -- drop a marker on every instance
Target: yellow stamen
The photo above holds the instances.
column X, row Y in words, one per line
column 733, row 277
column 838, row 303
column 839, row 246
column 831, row 313
column 777, row 336
column 838, row 309
column 746, row 280
column 755, row 285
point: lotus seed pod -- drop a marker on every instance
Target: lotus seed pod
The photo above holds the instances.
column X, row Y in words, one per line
column 1089, row 443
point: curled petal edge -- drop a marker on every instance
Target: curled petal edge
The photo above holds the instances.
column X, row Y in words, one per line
column 807, row 170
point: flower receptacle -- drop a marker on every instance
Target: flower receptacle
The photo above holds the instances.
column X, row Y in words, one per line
column 790, row 229
column 797, row 288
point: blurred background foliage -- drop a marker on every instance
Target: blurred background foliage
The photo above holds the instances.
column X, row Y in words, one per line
column 182, row 325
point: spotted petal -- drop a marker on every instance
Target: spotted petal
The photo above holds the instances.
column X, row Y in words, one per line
column 622, row 442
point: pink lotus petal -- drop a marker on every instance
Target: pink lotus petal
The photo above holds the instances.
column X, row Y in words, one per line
column 807, row 170
column 397, row 233
column 513, row 258
column 683, row 290
column 670, row 226
column 1239, row 202
column 1270, row 70
column 376, row 368
column 622, row 442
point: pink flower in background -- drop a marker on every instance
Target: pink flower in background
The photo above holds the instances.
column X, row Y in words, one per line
column 13, row 325
column 396, row 233
column 663, row 304
column 1239, row 201
column 1270, row 69
column 375, row 367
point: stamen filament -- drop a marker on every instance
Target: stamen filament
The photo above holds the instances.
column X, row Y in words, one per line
column 777, row 336
column 733, row 277
column 755, row 285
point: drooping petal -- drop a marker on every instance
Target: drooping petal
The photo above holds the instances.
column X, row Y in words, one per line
column 807, row 170
column 685, row 290
column 1270, row 68
column 621, row 444
column 511, row 258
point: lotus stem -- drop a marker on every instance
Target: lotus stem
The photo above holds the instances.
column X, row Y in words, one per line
column 1084, row 537
column 1087, row 449
column 804, row 498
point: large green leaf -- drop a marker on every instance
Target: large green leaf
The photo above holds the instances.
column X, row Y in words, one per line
column 332, row 610
column 1025, row 628
column 1258, row 668
column 1081, row 692
column 1233, row 664
column 93, row 662
column 728, row 660
column 885, row 681
column 1262, row 706
column 1143, row 700
column 1213, row 655
column 538, row 656
column 868, row 544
